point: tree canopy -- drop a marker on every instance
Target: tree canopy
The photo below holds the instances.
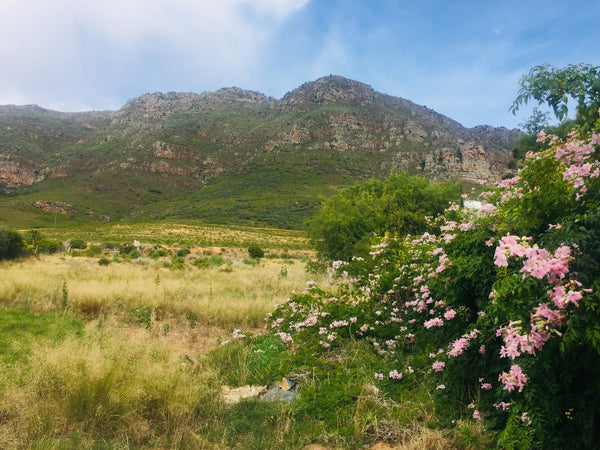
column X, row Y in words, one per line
column 399, row 204
column 554, row 86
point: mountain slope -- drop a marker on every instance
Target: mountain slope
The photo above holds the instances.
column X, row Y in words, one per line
column 229, row 156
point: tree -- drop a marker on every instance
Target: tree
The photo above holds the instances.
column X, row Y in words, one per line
column 554, row 86
column 537, row 122
column 11, row 244
column 399, row 204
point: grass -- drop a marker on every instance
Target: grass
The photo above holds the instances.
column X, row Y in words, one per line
column 94, row 356
column 190, row 234
column 229, row 295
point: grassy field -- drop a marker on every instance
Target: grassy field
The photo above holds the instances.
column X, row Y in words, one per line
column 111, row 352
column 184, row 235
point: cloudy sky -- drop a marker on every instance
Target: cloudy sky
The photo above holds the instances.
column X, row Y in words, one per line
column 463, row 58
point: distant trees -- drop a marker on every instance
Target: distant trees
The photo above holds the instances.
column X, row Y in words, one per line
column 399, row 204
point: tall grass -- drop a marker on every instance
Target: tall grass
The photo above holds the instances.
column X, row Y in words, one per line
column 103, row 389
column 234, row 295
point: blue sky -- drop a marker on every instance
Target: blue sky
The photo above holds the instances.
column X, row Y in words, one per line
column 462, row 58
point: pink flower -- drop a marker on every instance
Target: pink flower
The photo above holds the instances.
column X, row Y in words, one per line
column 396, row 375
column 438, row 366
column 435, row 322
column 514, row 379
column 449, row 314
column 441, row 386
column 476, row 415
column 458, row 347
column 502, row 405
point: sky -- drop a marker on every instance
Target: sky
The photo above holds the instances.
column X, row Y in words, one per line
column 462, row 58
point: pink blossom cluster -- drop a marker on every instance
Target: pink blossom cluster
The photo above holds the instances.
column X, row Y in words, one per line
column 515, row 343
column 513, row 379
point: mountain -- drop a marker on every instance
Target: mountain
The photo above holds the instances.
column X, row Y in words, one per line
column 229, row 156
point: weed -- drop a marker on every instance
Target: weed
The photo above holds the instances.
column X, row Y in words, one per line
column 142, row 315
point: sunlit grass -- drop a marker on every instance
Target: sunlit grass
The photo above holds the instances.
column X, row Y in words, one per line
column 231, row 295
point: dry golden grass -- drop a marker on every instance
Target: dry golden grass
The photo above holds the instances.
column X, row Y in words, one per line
column 234, row 295
column 103, row 388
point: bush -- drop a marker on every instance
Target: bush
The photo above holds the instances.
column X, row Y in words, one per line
column 104, row 261
column 49, row 246
column 182, row 252
column 497, row 311
column 126, row 249
column 11, row 244
column 255, row 252
column 78, row 244
column 399, row 204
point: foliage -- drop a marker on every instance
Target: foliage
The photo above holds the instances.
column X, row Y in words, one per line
column 11, row 244
column 47, row 245
column 255, row 252
column 498, row 311
column 554, row 86
column 400, row 203
column 78, row 244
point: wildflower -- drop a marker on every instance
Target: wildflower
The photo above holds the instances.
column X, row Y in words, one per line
column 441, row 386
column 285, row 337
column 396, row 375
column 237, row 334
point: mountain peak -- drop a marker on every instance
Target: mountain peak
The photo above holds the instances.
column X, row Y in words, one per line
column 329, row 89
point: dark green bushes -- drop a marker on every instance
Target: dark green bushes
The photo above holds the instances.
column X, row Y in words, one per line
column 12, row 244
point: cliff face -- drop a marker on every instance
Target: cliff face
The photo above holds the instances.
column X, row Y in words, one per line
column 340, row 128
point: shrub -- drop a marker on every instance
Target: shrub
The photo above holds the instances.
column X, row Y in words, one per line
column 104, row 261
column 11, row 244
column 182, row 252
column 126, row 249
column 255, row 252
column 78, row 244
column 497, row 311
column 401, row 203
column 49, row 246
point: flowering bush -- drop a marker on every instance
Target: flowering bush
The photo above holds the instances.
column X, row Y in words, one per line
column 498, row 311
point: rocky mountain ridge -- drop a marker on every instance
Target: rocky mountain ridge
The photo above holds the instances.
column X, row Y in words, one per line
column 332, row 130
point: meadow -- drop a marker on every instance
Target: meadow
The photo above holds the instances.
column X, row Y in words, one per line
column 94, row 354
column 99, row 349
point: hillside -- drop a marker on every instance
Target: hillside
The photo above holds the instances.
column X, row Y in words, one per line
column 230, row 156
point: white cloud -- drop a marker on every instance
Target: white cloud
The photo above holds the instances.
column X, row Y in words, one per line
column 71, row 52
